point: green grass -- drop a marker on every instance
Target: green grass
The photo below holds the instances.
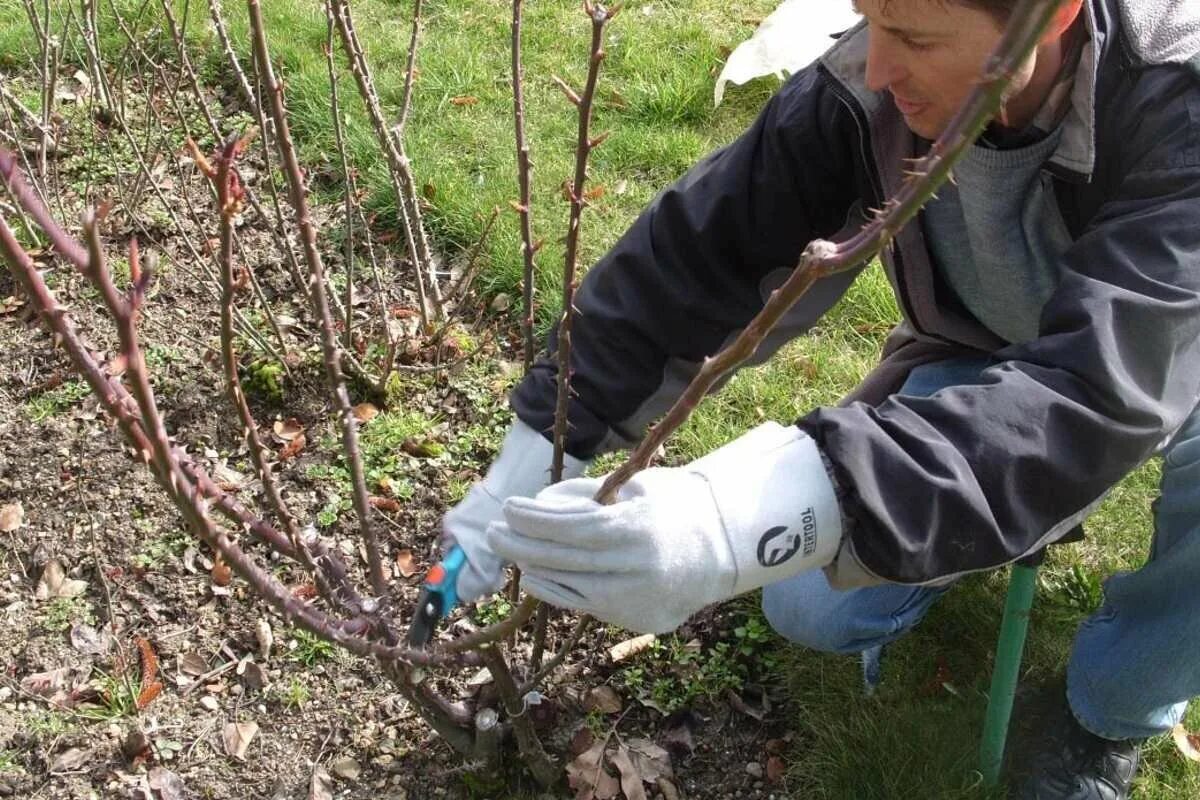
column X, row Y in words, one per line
column 44, row 405
column 654, row 95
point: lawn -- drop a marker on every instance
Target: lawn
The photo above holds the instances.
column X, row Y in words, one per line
column 917, row 737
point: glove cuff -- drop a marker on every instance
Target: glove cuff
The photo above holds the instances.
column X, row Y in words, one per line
column 522, row 469
column 777, row 504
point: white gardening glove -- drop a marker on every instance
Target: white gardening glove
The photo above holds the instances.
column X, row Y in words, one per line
column 758, row 510
column 522, row 469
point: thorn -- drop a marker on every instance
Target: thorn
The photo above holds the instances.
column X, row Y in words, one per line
column 567, row 90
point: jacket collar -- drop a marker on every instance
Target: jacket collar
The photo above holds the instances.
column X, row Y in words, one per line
column 1075, row 156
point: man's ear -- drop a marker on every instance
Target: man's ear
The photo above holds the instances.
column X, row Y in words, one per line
column 1064, row 18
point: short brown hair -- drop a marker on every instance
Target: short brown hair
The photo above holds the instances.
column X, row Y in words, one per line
column 1000, row 9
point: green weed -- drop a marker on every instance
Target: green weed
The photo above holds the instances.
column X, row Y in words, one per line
column 308, row 649
column 62, row 612
column 44, row 405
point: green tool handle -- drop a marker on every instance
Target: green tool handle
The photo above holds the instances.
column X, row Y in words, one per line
column 1021, row 588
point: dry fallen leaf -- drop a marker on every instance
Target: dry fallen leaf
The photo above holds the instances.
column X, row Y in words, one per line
column 89, row 641
column 631, row 781
column 293, row 447
column 321, row 785
column 11, row 517
column 237, row 737
column 193, row 664
column 464, row 100
column 588, row 777
column 652, row 761
column 222, row 574
column 55, row 583
column 168, row 785
column 384, row 503
column 603, row 699
column 69, row 760
column 406, row 563
column 365, row 412
column 776, row 769
column 1188, row 743
column 52, row 684
column 286, row 430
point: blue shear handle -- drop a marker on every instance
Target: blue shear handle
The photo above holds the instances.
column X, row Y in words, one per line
column 453, row 563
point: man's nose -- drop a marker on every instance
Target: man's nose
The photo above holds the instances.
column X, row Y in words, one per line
column 884, row 67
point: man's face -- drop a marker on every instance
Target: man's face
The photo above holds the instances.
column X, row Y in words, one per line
column 929, row 55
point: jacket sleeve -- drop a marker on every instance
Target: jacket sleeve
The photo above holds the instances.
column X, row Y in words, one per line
column 696, row 265
column 980, row 475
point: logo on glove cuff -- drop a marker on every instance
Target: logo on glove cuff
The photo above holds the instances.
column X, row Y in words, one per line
column 777, row 545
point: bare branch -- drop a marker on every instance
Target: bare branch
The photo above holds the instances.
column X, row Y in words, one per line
column 332, row 355
column 398, row 165
column 524, row 177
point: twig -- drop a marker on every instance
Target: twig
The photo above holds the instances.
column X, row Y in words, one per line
column 568, row 645
column 398, row 165
column 278, row 226
column 409, row 73
column 332, row 355
column 524, row 178
column 459, row 290
column 584, row 145
column 348, row 238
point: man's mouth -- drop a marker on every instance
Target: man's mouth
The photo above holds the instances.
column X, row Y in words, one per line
column 908, row 108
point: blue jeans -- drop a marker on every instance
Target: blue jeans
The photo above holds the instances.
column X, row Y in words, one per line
column 1136, row 660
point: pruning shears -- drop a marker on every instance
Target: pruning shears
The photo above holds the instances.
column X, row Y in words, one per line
column 439, row 594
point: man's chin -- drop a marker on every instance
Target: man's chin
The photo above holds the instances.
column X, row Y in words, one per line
column 923, row 128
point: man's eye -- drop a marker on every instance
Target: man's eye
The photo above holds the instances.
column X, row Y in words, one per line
column 919, row 47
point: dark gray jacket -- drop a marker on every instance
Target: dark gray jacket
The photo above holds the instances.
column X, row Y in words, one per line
column 978, row 475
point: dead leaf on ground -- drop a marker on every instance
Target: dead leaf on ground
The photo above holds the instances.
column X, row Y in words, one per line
column 739, row 704
column 69, row 760
column 222, row 574
column 365, row 412
column 168, row 785
column 237, row 737
column 320, row 787
column 464, row 100
column 287, row 429
column 293, row 448
column 603, row 699
column 776, row 769
column 10, row 304
column 652, row 761
column 193, row 664
column 406, row 563
column 588, row 777
column 669, row 792
column 89, row 641
column 53, row 684
column 11, row 517
column 1188, row 743
column 630, row 647
column 55, row 583
column 631, row 781
column 384, row 503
